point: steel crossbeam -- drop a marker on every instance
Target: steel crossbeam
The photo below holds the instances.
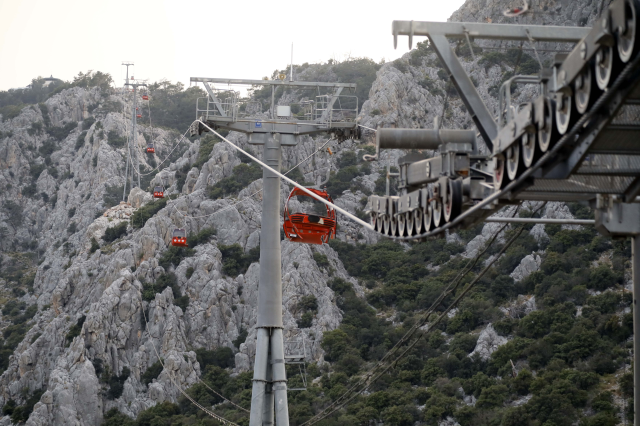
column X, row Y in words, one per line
column 460, row 30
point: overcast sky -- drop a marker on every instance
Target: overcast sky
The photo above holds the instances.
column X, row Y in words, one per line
column 177, row 40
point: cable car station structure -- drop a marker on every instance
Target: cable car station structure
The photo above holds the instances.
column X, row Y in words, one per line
column 579, row 140
column 223, row 109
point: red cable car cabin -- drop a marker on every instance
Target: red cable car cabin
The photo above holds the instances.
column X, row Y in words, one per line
column 151, row 148
column 145, row 97
column 158, row 192
column 516, row 11
column 311, row 228
column 179, row 238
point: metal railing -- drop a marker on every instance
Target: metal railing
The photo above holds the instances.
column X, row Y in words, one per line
column 227, row 108
column 325, row 109
column 343, row 109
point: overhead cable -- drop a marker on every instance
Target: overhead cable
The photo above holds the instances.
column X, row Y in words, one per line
column 380, row 369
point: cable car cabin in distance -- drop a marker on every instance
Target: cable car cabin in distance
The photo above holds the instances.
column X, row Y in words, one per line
column 145, row 97
column 516, row 11
column 316, row 227
column 158, row 192
column 179, row 238
column 150, row 148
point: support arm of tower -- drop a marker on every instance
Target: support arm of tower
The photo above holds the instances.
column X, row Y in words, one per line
column 467, row 91
column 228, row 81
column 459, row 30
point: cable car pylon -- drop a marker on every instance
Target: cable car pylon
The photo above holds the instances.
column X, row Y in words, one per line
column 269, row 400
column 132, row 148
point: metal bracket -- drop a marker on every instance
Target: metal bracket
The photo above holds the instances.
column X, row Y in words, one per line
column 467, row 91
column 214, row 99
column 325, row 115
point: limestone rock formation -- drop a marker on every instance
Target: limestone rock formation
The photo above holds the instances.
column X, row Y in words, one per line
column 488, row 341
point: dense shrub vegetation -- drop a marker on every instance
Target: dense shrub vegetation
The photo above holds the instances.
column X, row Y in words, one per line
column 172, row 105
column 565, row 353
column 235, row 261
column 114, row 232
column 243, row 175
column 147, row 211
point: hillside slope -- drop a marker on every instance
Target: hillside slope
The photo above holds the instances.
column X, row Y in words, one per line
column 93, row 292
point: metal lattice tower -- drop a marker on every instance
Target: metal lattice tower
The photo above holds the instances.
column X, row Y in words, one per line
column 132, row 147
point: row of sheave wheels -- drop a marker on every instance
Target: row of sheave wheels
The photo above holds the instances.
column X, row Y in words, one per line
column 439, row 211
column 560, row 114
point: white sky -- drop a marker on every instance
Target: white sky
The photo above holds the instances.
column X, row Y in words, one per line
column 177, row 40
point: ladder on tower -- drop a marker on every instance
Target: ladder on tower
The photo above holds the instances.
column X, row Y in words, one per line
column 295, row 353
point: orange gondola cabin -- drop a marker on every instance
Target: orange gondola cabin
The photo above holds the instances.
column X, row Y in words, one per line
column 145, row 97
column 158, row 192
column 179, row 238
column 316, row 227
column 150, row 148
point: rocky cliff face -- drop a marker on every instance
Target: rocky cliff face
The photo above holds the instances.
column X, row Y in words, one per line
column 104, row 287
column 62, row 164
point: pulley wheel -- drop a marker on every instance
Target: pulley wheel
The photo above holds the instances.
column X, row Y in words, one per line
column 387, row 225
column 373, row 220
column 545, row 129
column 584, row 91
column 529, row 148
column 400, row 218
column 427, row 218
column 500, row 178
column 603, row 66
column 408, row 218
column 417, row 220
column 626, row 39
column 436, row 212
column 379, row 223
column 453, row 207
column 563, row 113
column 512, row 157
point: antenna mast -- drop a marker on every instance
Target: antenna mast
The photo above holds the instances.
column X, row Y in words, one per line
column 291, row 70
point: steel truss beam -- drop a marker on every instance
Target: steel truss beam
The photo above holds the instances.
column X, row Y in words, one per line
column 460, row 30
column 309, row 84
column 467, row 91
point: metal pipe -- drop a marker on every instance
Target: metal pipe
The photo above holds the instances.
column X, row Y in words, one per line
column 635, row 254
column 259, row 377
column 536, row 220
column 270, row 287
column 421, row 138
column 279, row 378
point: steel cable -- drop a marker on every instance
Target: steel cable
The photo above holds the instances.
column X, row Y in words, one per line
column 367, row 381
column 210, row 413
column 251, row 195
